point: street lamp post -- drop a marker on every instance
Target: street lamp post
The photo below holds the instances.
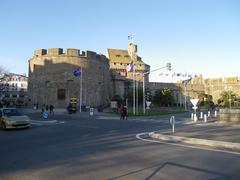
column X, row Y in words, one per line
column 81, row 89
column 185, row 98
column 168, row 66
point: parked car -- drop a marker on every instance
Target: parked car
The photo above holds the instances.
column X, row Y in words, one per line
column 11, row 118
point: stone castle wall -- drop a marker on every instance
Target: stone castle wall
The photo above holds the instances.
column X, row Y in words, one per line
column 179, row 90
column 198, row 85
column 216, row 86
column 51, row 71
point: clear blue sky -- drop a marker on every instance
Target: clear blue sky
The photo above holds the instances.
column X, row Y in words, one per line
column 197, row 37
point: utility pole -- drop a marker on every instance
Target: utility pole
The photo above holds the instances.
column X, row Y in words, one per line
column 132, row 52
column 81, row 89
column 168, row 66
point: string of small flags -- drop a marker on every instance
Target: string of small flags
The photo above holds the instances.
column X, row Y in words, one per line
column 185, row 75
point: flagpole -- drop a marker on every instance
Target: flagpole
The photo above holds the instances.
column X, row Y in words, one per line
column 137, row 96
column 185, row 98
column 80, row 95
column 134, row 82
column 144, row 110
column 134, row 98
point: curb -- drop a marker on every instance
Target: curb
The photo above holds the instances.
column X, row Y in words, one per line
column 195, row 141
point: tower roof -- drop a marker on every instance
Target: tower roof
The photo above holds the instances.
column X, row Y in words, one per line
column 120, row 56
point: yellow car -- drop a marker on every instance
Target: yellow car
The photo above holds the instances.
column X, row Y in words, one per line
column 11, row 118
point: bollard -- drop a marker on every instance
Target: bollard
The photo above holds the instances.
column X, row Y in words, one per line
column 91, row 112
column 209, row 113
column 215, row 113
column 205, row 118
column 172, row 122
column 201, row 115
column 195, row 118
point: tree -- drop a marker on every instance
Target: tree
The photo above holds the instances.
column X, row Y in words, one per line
column 205, row 100
column 226, row 98
column 2, row 71
column 117, row 98
column 4, row 78
column 163, row 97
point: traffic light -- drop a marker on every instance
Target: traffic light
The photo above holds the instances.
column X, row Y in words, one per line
column 169, row 68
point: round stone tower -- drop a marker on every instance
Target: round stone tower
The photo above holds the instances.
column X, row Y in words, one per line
column 51, row 79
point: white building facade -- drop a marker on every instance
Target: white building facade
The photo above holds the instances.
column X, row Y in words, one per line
column 13, row 89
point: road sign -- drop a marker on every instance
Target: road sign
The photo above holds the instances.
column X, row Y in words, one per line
column 194, row 102
column 45, row 114
column 148, row 103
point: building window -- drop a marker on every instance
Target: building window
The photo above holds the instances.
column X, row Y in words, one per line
column 118, row 55
column 126, row 56
column 61, row 94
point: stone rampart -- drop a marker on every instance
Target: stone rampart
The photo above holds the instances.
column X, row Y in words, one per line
column 51, row 79
column 229, row 115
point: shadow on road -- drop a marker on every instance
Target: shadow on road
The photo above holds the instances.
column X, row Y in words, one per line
column 176, row 167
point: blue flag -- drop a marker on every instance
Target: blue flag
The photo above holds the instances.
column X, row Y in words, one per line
column 77, row 72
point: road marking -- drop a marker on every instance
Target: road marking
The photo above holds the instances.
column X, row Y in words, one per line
column 46, row 123
column 182, row 145
column 107, row 117
column 37, row 124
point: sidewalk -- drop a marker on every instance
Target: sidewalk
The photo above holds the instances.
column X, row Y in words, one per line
column 58, row 114
column 215, row 134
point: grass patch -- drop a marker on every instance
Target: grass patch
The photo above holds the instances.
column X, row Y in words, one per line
column 152, row 113
column 156, row 113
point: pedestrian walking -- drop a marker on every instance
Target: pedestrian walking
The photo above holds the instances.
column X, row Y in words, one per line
column 125, row 113
column 47, row 107
column 43, row 108
column 121, row 110
column 51, row 107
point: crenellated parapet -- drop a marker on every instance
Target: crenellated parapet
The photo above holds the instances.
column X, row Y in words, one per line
column 57, row 52
column 221, row 81
column 70, row 52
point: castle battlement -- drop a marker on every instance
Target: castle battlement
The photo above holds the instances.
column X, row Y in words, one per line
column 57, row 52
column 219, row 81
column 69, row 52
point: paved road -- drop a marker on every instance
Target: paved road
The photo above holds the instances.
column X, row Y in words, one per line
column 105, row 148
